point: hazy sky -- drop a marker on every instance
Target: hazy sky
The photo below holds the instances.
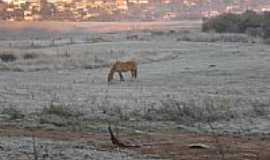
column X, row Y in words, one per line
column 7, row 0
column 11, row 0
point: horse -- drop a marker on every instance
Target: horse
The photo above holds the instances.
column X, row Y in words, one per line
column 120, row 67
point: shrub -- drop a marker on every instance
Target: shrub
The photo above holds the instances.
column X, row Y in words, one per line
column 157, row 33
column 63, row 116
column 234, row 23
column 254, row 32
column 207, row 110
column 267, row 41
column 250, row 19
column 60, row 110
column 29, row 56
column 202, row 37
column 224, row 23
column 13, row 113
column 8, row 57
column 260, row 107
column 266, row 25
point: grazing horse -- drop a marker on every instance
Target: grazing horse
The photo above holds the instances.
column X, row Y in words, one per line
column 120, row 67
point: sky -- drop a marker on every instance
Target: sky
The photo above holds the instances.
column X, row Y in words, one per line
column 7, row 0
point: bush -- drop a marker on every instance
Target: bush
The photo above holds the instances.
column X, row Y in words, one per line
column 63, row 116
column 29, row 56
column 267, row 41
column 191, row 112
column 228, row 23
column 235, row 23
column 59, row 110
column 250, row 19
column 203, row 37
column 8, row 57
column 13, row 113
column 266, row 25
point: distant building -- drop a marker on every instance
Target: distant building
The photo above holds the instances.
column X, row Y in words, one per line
column 18, row 3
column 84, row 10
column 138, row 1
column 121, row 4
column 3, row 7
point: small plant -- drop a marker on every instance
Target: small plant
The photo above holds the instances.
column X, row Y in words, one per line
column 172, row 31
column 8, row 57
column 71, row 40
column 52, row 43
column 32, row 45
column 132, row 37
column 67, row 53
column 58, row 110
column 261, row 108
column 267, row 41
column 87, row 39
column 35, row 151
column 98, row 39
column 266, row 25
column 157, row 33
column 62, row 116
column 29, row 56
column 175, row 110
column 13, row 113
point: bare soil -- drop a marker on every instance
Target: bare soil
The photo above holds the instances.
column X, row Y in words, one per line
column 164, row 146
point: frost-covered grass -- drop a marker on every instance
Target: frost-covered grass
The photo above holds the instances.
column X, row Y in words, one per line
column 185, row 78
column 22, row 148
column 187, row 81
column 215, row 37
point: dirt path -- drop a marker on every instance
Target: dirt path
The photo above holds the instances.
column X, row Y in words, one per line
column 172, row 146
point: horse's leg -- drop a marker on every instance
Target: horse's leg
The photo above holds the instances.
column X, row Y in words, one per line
column 110, row 76
column 121, row 76
column 134, row 73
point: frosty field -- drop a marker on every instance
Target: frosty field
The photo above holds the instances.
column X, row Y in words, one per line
column 188, row 82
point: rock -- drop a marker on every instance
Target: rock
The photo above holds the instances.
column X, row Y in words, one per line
column 199, row 146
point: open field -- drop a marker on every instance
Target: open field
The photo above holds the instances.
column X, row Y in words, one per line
column 201, row 87
column 100, row 27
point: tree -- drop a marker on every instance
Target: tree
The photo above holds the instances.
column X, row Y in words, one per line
column 228, row 2
column 44, row 9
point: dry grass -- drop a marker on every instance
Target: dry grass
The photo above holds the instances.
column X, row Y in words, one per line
column 215, row 37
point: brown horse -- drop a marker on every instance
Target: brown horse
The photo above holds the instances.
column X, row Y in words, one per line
column 120, row 67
